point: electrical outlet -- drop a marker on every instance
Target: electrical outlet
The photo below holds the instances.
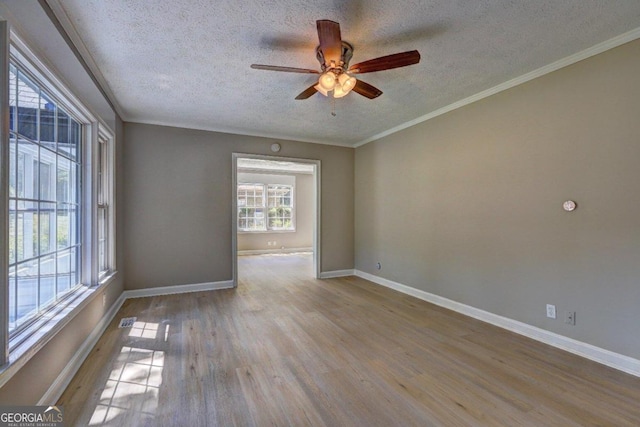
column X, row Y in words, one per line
column 551, row 311
column 570, row 318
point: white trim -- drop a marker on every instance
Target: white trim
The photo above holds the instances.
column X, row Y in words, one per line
column 235, row 131
column 317, row 217
column 66, row 23
column 336, row 273
column 56, row 389
column 4, row 192
column 177, row 289
column 614, row 360
column 22, row 353
column 274, row 251
column 44, row 76
column 554, row 66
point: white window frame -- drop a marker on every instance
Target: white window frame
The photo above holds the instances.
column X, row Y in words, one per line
column 265, row 208
column 292, row 206
column 104, row 198
column 17, row 350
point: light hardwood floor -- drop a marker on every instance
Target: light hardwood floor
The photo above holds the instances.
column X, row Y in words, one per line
column 286, row 349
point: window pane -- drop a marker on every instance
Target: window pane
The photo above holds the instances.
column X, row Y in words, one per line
column 280, row 207
column 69, row 135
column 27, row 290
column 27, row 230
column 47, row 223
column 13, row 175
column 47, row 111
column 28, row 100
column 63, row 235
column 74, row 223
column 47, row 280
column 63, row 183
column 46, row 177
column 75, row 266
column 102, row 240
column 74, row 184
column 27, row 176
column 63, row 130
column 251, row 207
column 13, row 232
column 13, row 306
column 64, row 271
column 75, row 138
column 13, row 82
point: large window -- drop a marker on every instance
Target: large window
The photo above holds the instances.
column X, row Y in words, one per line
column 265, row 207
column 57, row 167
column 44, row 200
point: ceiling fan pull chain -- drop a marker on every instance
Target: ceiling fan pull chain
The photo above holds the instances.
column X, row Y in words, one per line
column 333, row 107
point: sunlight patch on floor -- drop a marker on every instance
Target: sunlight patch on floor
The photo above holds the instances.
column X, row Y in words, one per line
column 134, row 383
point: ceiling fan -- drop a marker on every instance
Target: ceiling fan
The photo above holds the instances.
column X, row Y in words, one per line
column 336, row 76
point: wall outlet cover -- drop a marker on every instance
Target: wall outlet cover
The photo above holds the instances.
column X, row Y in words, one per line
column 570, row 318
column 551, row 311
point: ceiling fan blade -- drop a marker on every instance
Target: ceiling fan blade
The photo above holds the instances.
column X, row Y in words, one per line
column 330, row 40
column 285, row 69
column 366, row 90
column 307, row 92
column 386, row 62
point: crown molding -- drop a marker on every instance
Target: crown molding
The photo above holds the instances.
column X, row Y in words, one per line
column 562, row 63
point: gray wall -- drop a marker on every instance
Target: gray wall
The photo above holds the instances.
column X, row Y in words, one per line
column 468, row 205
column 178, row 199
column 303, row 199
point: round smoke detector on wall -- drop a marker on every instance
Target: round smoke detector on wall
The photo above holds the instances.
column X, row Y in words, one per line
column 569, row 206
column 275, row 147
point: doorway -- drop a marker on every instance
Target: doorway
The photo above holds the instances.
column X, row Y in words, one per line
column 276, row 207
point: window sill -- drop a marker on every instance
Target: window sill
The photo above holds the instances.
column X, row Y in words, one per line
column 266, row 232
column 46, row 328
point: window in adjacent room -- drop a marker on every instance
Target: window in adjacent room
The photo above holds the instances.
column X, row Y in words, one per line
column 265, row 207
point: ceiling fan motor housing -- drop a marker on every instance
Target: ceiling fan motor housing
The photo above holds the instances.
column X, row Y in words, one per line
column 345, row 58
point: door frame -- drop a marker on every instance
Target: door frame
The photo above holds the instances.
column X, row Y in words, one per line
column 316, row 211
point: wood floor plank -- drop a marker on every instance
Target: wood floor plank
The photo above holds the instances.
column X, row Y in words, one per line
column 286, row 349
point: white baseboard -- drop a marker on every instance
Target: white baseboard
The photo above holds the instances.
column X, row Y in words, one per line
column 274, row 251
column 336, row 273
column 56, row 389
column 614, row 360
column 177, row 289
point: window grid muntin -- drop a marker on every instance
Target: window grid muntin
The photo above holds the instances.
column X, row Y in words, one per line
column 19, row 197
column 254, row 200
column 280, row 202
column 251, row 207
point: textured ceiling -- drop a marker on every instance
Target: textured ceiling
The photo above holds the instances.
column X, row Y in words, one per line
column 186, row 62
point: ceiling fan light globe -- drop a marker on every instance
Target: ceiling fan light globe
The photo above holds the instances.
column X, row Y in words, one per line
column 347, row 82
column 322, row 90
column 327, row 80
column 339, row 92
